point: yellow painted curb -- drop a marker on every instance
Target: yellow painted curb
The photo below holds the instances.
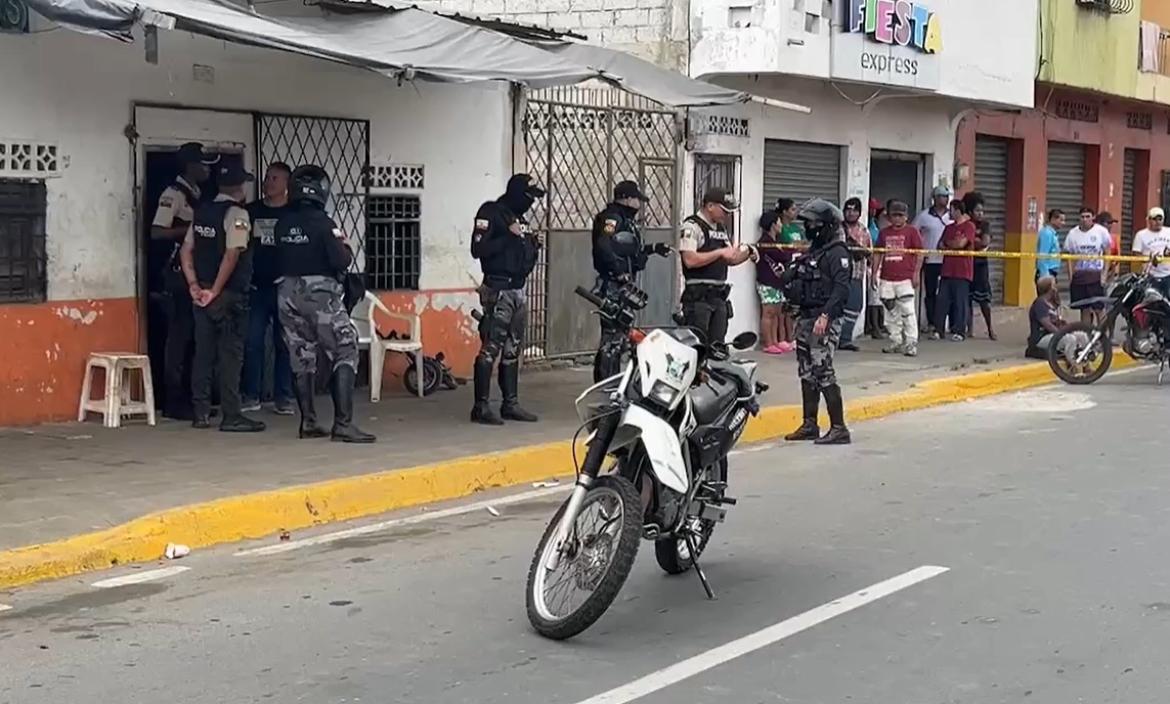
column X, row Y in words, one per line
column 257, row 515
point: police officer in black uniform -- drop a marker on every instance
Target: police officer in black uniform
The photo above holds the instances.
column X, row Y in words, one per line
column 818, row 284
column 312, row 259
column 217, row 265
column 707, row 252
column 618, row 265
column 506, row 250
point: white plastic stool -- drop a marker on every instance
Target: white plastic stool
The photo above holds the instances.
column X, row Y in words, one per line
column 117, row 401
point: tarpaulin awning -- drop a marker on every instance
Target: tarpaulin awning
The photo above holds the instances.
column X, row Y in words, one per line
column 406, row 43
column 398, row 41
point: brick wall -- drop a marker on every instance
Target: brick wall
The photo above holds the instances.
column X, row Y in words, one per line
column 655, row 30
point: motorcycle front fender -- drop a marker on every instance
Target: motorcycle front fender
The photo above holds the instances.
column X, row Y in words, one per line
column 662, row 446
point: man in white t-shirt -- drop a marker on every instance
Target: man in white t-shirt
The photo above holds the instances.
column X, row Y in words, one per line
column 1087, row 276
column 1155, row 239
column 930, row 223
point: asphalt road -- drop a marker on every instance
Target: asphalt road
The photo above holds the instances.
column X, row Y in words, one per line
column 1050, row 510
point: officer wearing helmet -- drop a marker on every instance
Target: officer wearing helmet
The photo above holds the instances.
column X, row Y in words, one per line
column 618, row 257
column 506, row 249
column 818, row 284
column 312, row 259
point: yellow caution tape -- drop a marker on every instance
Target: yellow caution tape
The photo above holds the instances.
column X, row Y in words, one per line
column 984, row 254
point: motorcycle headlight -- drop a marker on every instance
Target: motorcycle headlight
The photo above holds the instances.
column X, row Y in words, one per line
column 664, row 394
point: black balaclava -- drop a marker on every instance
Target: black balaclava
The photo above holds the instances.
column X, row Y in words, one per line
column 521, row 193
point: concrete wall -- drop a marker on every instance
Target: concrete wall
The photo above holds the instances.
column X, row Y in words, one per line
column 76, row 91
column 1089, row 50
column 655, row 30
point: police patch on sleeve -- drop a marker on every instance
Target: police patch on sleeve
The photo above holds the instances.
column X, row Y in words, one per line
column 610, row 226
column 242, row 224
column 482, row 224
column 166, row 202
column 338, row 234
column 845, row 262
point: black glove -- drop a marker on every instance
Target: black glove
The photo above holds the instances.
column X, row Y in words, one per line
column 661, row 249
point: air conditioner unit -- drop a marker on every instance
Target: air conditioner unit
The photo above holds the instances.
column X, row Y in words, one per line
column 1112, row 7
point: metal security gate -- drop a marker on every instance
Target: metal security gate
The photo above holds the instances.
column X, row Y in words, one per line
column 1128, row 186
column 800, row 171
column 991, row 165
column 579, row 142
column 716, row 171
column 338, row 145
column 1066, row 189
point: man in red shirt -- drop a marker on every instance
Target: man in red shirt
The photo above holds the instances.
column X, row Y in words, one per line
column 898, row 275
column 954, row 286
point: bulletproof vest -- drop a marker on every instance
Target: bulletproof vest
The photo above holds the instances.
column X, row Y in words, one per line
column 809, row 287
column 508, row 267
column 713, row 238
column 210, row 245
column 301, row 241
column 625, row 224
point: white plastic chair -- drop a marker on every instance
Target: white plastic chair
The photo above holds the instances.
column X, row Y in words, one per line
column 117, row 401
column 363, row 317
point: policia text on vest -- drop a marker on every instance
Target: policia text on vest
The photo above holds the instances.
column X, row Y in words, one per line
column 707, row 253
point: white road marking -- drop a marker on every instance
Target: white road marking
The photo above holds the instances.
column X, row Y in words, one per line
column 702, row 662
column 5, row 607
column 409, row 520
column 139, row 577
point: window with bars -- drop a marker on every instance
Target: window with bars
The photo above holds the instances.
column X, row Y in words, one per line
column 393, row 242
column 22, row 241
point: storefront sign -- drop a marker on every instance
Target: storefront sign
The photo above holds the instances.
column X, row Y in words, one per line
column 895, row 42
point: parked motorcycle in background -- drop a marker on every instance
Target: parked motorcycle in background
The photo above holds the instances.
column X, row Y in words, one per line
column 1081, row 353
column 667, row 422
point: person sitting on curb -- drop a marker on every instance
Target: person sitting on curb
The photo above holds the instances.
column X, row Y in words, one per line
column 1044, row 322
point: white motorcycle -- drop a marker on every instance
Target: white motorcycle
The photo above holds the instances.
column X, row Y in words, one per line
column 667, row 422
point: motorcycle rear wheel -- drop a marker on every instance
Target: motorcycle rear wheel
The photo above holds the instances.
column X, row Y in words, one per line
column 602, row 560
column 673, row 554
column 1064, row 370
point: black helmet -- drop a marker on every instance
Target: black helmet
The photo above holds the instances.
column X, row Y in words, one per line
column 625, row 244
column 310, row 183
column 821, row 218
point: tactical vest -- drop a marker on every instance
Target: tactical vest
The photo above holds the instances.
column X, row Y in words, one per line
column 808, row 287
column 210, row 245
column 713, row 238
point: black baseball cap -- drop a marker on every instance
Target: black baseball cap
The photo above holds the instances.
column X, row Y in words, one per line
column 722, row 198
column 629, row 189
column 233, row 175
column 193, row 153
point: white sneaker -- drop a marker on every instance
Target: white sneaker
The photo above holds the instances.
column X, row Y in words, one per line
column 910, row 351
column 249, row 405
column 893, row 349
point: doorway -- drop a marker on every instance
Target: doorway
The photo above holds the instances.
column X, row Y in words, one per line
column 897, row 176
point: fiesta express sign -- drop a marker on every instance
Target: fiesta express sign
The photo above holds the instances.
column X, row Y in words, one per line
column 895, row 22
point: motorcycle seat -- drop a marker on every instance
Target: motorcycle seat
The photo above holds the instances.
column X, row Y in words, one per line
column 711, row 398
column 735, row 373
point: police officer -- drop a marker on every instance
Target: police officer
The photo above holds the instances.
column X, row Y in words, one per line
column 707, row 252
column 172, row 220
column 818, row 284
column 506, row 250
column 312, row 260
column 217, row 266
column 616, row 266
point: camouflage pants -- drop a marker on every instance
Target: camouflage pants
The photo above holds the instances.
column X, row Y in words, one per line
column 501, row 332
column 313, row 317
column 814, row 355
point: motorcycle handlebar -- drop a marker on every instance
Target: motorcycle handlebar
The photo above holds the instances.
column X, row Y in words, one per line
column 589, row 296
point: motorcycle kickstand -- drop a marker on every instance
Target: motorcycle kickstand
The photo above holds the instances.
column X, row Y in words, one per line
column 1161, row 371
column 698, row 570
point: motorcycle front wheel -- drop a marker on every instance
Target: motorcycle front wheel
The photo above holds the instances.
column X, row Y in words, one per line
column 594, row 562
column 1066, row 348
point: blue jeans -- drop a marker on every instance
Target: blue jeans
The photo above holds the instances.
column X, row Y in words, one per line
column 263, row 312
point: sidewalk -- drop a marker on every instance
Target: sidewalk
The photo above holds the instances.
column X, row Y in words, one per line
column 61, row 480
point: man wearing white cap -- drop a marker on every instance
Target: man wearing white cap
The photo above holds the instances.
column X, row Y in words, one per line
column 1155, row 239
column 931, row 223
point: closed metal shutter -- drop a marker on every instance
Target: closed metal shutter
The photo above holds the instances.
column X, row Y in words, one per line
column 991, row 165
column 800, row 171
column 1128, row 220
column 1066, row 190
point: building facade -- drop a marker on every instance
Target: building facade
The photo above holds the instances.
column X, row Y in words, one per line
column 1099, row 134
column 86, row 129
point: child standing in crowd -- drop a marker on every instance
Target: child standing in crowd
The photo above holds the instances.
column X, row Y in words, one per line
column 768, row 285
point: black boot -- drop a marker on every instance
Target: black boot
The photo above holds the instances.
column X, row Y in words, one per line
column 810, row 401
column 304, row 386
column 838, row 434
column 240, row 423
column 510, row 387
column 342, row 385
column 481, row 412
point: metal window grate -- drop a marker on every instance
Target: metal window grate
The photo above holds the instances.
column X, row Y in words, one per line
column 393, row 242
column 22, row 241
